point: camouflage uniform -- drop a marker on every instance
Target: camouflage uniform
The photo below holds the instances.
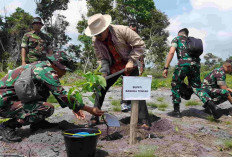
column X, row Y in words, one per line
column 46, row 79
column 211, row 85
column 187, row 66
column 37, row 45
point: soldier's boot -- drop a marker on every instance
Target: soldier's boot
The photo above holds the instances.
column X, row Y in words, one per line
column 176, row 112
column 43, row 124
column 7, row 131
column 213, row 109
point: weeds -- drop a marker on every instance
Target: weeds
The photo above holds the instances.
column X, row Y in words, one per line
column 52, row 99
column 146, row 151
column 154, row 105
column 116, row 105
column 228, row 144
column 160, row 99
column 161, row 106
column 192, row 103
column 211, row 119
column 110, row 97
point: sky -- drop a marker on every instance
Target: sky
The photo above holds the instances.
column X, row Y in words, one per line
column 209, row 20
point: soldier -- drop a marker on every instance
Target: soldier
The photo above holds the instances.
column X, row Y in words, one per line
column 35, row 44
column 46, row 76
column 215, row 86
column 187, row 67
column 118, row 47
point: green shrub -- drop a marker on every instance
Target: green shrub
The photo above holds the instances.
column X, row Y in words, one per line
column 192, row 103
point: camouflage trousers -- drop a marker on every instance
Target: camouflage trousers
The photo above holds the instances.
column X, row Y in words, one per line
column 193, row 74
column 26, row 113
column 217, row 95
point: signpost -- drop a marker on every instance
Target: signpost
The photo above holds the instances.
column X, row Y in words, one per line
column 135, row 88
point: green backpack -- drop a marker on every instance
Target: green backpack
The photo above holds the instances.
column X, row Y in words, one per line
column 25, row 88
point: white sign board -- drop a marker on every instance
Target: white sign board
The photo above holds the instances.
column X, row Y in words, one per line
column 136, row 88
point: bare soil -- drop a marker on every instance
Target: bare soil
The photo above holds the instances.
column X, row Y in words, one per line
column 193, row 135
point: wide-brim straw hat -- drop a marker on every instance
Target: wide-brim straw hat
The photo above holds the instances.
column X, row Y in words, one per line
column 97, row 24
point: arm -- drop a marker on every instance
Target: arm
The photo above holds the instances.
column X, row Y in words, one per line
column 23, row 55
column 228, row 89
column 24, row 46
column 168, row 61
column 138, row 47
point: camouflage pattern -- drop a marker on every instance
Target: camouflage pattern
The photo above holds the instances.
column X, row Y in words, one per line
column 46, row 79
column 183, row 58
column 193, row 74
column 211, row 85
column 187, row 67
column 62, row 60
column 37, row 45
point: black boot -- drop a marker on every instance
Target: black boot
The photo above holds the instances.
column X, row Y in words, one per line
column 176, row 112
column 43, row 124
column 212, row 108
column 7, row 131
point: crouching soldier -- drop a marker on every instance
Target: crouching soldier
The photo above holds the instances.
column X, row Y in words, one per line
column 21, row 111
column 214, row 84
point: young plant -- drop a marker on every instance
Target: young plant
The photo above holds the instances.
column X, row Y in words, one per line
column 90, row 83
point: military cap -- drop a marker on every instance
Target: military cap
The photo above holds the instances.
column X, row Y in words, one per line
column 63, row 60
column 37, row 20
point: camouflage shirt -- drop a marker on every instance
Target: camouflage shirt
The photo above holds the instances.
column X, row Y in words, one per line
column 183, row 58
column 215, row 78
column 37, row 45
column 45, row 78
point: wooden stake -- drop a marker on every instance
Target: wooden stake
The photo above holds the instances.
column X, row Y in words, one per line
column 134, row 121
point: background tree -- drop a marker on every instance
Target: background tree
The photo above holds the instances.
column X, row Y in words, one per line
column 212, row 61
column 150, row 21
column 16, row 25
column 55, row 26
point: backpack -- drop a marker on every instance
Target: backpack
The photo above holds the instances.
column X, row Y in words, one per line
column 194, row 47
column 185, row 91
column 25, row 88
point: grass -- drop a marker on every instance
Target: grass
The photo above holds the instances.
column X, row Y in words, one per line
column 110, row 97
column 160, row 99
column 52, row 99
column 211, row 119
column 228, row 144
column 228, row 122
column 192, row 103
column 146, row 151
column 116, row 105
column 151, row 104
column 161, row 106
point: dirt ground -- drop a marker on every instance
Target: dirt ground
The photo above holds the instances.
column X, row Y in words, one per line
column 193, row 135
